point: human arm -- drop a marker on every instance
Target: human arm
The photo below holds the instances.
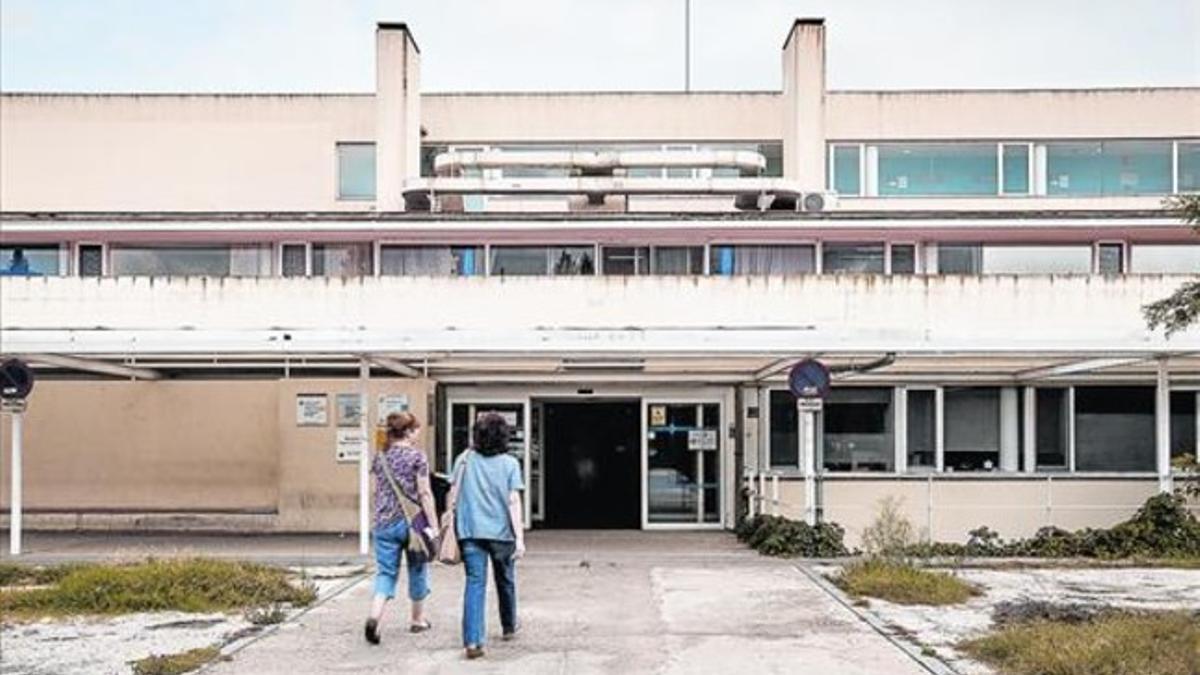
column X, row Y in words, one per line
column 517, row 518
column 425, row 492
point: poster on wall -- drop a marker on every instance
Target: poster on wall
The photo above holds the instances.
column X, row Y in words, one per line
column 702, row 439
column 349, row 410
column 312, row 410
column 658, row 415
column 351, row 444
column 388, row 404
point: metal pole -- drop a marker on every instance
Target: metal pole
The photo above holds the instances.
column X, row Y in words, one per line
column 808, row 427
column 364, row 460
column 14, row 521
column 687, row 45
column 1162, row 426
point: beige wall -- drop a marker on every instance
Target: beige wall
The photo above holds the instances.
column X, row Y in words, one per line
column 229, row 448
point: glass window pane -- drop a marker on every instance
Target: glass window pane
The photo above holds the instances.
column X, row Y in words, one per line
column 960, row 258
column 356, row 170
column 294, row 259
column 1016, row 169
column 519, row 261
column 1114, row 428
column 922, row 429
column 773, row 152
column 626, row 260
column 438, row 261
column 91, row 260
column 1110, row 259
column 972, row 420
column 937, row 169
column 785, row 430
column 681, row 260
column 573, row 260
column 1165, row 259
column 210, row 261
column 856, row 426
column 342, row 260
column 1183, row 423
column 853, row 258
column 763, row 260
column 1052, row 426
column 36, row 260
column 904, row 259
column 846, row 170
column 1037, row 259
column 1189, row 167
column 1108, row 168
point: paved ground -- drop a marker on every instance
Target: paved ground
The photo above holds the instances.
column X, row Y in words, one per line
column 602, row 603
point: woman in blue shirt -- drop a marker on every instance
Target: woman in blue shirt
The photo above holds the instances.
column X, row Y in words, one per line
column 488, row 518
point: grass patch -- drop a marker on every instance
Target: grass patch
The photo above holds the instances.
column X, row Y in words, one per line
column 903, row 584
column 189, row 585
column 1113, row 644
column 175, row 664
column 14, row 574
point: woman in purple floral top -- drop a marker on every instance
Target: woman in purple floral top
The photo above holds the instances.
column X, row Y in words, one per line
column 410, row 469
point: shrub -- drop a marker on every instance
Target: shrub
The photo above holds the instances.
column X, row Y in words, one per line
column 175, row 664
column 890, row 534
column 902, row 583
column 779, row 536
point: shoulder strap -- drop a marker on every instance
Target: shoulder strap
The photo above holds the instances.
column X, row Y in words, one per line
column 391, row 478
column 452, row 498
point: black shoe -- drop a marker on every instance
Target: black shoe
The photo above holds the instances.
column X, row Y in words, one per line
column 510, row 634
column 371, row 631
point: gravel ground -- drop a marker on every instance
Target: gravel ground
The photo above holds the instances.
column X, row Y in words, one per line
column 942, row 627
column 107, row 645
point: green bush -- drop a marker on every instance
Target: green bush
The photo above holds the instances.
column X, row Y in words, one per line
column 779, row 536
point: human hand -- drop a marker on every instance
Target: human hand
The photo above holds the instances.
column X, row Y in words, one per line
column 519, row 551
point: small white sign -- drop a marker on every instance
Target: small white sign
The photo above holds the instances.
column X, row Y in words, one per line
column 312, row 410
column 702, row 439
column 810, row 404
column 351, row 443
column 388, row 404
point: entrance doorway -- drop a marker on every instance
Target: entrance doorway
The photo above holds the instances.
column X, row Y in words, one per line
column 591, row 459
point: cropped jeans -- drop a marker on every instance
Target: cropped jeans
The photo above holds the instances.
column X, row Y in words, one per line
column 390, row 541
column 475, row 555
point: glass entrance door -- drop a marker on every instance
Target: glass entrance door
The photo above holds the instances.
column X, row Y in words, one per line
column 464, row 414
column 683, row 463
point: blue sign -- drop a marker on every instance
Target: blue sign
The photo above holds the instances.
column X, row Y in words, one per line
column 809, row 379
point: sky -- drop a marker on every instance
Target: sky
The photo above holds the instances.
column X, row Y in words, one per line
column 563, row 45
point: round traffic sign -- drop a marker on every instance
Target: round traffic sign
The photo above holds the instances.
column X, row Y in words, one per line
column 809, row 379
column 16, row 379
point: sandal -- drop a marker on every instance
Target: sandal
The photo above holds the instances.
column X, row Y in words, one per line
column 420, row 627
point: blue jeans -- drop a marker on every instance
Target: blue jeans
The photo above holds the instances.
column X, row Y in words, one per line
column 475, row 555
column 390, row 541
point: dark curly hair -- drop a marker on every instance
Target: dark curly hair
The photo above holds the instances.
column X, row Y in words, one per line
column 491, row 435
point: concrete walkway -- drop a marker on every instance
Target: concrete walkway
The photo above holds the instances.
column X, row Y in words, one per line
column 629, row 602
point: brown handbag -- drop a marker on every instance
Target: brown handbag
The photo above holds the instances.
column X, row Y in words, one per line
column 448, row 551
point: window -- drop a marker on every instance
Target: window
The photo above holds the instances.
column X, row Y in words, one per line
column 1016, row 169
column 35, row 260
column 342, row 260
column 922, row 430
column 293, row 260
column 855, row 258
column 1114, row 429
column 785, row 430
column 435, row 261
column 857, row 430
column 904, row 259
column 960, row 258
column 972, row 422
column 356, row 171
column 937, row 169
column 542, row 260
column 1052, row 426
column 1110, row 258
column 846, row 176
column 1037, row 259
column 1189, row 167
column 90, row 260
column 762, row 260
column 1165, row 259
column 202, row 260
column 1108, row 168
column 680, row 260
column 1183, row 423
column 627, row 260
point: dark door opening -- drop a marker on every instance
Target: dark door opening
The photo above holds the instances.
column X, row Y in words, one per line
column 592, row 464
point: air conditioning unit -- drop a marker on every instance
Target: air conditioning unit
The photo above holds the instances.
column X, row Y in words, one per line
column 816, row 202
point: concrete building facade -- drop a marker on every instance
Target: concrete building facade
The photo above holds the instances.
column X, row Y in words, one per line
column 223, row 294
